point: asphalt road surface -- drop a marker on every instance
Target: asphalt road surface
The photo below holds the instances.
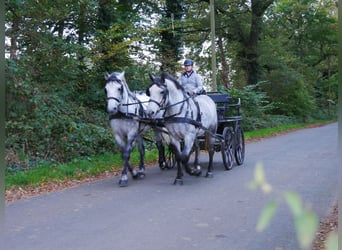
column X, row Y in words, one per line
column 204, row 213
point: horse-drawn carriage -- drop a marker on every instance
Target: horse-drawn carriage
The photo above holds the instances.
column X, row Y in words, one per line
column 230, row 135
column 191, row 123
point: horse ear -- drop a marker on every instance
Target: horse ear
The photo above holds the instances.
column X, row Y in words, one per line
column 164, row 76
column 106, row 75
column 122, row 75
column 151, row 76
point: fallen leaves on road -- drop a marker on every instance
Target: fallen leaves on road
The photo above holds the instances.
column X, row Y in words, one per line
column 17, row 193
column 330, row 224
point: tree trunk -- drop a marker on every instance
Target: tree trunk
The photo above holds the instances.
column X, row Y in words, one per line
column 251, row 50
column 225, row 66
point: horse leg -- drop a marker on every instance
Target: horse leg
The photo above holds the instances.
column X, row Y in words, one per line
column 179, row 177
column 125, row 154
column 211, row 156
column 141, row 148
column 126, row 157
column 185, row 155
column 196, row 162
column 161, row 149
column 161, row 152
column 123, row 182
column 171, row 162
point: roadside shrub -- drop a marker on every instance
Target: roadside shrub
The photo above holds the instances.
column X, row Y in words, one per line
column 57, row 130
column 254, row 107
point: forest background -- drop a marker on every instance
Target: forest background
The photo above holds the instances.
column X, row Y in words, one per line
column 278, row 56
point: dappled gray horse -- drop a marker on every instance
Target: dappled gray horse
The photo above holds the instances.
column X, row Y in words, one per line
column 185, row 118
column 125, row 108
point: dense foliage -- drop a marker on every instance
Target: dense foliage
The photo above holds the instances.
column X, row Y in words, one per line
column 279, row 57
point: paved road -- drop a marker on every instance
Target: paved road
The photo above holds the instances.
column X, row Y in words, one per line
column 153, row 214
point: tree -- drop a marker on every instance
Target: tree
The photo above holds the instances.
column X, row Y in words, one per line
column 171, row 35
column 299, row 53
column 258, row 9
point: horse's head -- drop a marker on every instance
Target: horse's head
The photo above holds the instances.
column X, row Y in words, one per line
column 158, row 94
column 114, row 90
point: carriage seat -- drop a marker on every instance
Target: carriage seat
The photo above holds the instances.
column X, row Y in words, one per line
column 222, row 101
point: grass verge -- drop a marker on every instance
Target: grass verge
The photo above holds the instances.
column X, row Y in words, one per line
column 261, row 133
column 77, row 169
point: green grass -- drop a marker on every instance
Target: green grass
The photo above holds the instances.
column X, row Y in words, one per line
column 93, row 166
column 271, row 131
column 260, row 133
column 76, row 169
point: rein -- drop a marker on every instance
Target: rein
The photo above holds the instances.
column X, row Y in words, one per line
column 129, row 115
column 174, row 104
column 172, row 118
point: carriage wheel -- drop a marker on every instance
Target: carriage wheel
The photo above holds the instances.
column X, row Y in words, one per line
column 171, row 157
column 227, row 148
column 239, row 145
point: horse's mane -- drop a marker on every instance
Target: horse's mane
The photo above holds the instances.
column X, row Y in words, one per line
column 115, row 77
column 167, row 76
column 160, row 80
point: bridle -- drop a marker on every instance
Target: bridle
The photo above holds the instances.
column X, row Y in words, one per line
column 161, row 104
column 123, row 108
column 112, row 97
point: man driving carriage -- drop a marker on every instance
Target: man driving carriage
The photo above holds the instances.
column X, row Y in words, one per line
column 191, row 80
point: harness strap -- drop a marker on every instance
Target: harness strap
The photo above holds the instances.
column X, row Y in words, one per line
column 198, row 118
column 158, row 104
column 121, row 115
column 184, row 120
column 190, row 121
column 113, row 98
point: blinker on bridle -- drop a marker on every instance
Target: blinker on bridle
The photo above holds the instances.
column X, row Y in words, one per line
column 163, row 100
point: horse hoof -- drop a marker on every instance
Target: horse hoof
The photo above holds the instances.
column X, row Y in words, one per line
column 162, row 165
column 191, row 171
column 135, row 174
column 197, row 172
column 169, row 166
column 209, row 175
column 141, row 175
column 178, row 182
column 123, row 183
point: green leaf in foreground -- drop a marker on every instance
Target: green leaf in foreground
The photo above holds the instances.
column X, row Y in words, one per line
column 294, row 202
column 306, row 225
column 260, row 180
column 266, row 215
column 332, row 241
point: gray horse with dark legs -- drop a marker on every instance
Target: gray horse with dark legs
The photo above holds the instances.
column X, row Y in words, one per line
column 124, row 108
column 185, row 118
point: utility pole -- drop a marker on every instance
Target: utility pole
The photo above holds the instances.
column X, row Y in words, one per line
column 213, row 53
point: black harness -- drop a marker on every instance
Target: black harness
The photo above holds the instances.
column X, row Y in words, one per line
column 138, row 112
column 173, row 117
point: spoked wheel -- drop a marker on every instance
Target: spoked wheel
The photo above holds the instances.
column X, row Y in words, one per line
column 239, row 145
column 227, row 148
